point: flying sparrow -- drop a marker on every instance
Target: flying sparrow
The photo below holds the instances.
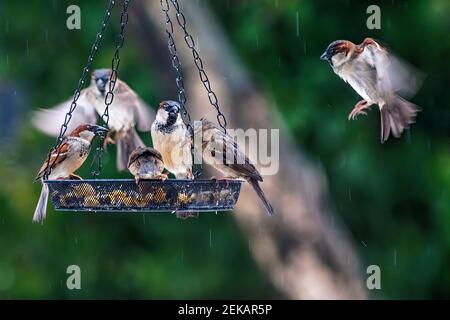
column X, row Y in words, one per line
column 221, row 152
column 65, row 160
column 126, row 111
column 379, row 78
column 172, row 139
column 146, row 163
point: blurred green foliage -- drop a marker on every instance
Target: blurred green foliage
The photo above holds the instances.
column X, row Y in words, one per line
column 394, row 198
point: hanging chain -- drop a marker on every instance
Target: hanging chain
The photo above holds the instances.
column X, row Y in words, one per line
column 81, row 82
column 109, row 97
column 176, row 64
column 199, row 64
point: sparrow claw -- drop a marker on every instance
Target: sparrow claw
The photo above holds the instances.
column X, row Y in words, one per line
column 163, row 177
column 74, row 177
column 183, row 215
column 107, row 141
column 221, row 179
column 358, row 109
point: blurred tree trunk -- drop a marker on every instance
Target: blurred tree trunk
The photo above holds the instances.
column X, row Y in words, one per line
column 303, row 248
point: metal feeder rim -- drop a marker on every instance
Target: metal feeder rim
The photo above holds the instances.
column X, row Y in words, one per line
column 105, row 201
column 196, row 181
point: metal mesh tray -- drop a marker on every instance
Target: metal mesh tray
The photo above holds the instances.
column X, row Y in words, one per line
column 149, row 195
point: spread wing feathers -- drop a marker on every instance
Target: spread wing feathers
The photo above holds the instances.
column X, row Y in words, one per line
column 49, row 121
column 226, row 149
column 394, row 75
column 143, row 114
column 55, row 159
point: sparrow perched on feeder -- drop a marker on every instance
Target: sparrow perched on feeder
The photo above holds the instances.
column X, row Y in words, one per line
column 65, row 160
column 221, row 152
column 172, row 139
column 379, row 78
column 126, row 111
column 146, row 163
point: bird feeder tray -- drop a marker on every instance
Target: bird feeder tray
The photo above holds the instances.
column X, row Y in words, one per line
column 125, row 195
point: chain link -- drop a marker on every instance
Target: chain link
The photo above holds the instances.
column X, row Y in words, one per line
column 213, row 100
column 176, row 64
column 81, row 82
column 109, row 97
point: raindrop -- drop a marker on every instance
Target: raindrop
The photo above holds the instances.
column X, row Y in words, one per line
column 257, row 41
column 210, row 238
column 350, row 194
column 395, row 257
column 297, row 17
column 408, row 137
column 28, row 48
column 143, row 218
column 76, row 241
column 7, row 59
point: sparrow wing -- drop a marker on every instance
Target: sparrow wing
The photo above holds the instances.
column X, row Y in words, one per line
column 55, row 159
column 49, row 121
column 393, row 74
column 143, row 114
column 228, row 149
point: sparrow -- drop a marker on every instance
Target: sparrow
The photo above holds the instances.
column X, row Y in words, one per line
column 220, row 151
column 172, row 139
column 146, row 163
column 379, row 78
column 65, row 160
column 126, row 111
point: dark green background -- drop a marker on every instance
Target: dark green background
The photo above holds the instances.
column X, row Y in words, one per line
column 394, row 198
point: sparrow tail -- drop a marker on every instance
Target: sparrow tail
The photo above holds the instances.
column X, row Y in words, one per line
column 127, row 141
column 41, row 208
column 261, row 195
column 396, row 115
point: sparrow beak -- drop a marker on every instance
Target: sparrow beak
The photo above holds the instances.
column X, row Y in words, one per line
column 100, row 85
column 100, row 131
column 325, row 56
column 173, row 110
